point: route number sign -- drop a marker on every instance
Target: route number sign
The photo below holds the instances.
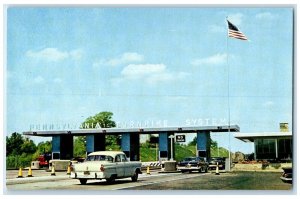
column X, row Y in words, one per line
column 180, row 138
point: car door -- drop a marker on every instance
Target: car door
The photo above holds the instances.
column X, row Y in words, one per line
column 201, row 162
column 119, row 166
column 127, row 166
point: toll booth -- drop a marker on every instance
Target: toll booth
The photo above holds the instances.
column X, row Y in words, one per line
column 95, row 142
column 62, row 147
column 130, row 145
column 166, row 147
column 203, row 144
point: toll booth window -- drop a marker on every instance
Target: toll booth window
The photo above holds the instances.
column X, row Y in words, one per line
column 202, row 153
column 55, row 155
column 164, row 154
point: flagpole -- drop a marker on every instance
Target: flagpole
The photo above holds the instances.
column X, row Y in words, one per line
column 228, row 101
column 234, row 32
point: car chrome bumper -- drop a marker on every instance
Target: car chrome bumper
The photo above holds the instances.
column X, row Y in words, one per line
column 187, row 168
column 287, row 180
column 91, row 175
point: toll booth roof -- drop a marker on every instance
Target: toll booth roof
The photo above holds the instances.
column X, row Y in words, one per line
column 189, row 129
column 249, row 137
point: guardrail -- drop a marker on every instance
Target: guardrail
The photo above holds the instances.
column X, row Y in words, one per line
column 151, row 164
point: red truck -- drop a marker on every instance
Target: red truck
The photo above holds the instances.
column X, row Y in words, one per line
column 44, row 159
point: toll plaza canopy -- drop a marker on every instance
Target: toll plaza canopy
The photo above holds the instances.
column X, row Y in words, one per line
column 142, row 130
column 62, row 140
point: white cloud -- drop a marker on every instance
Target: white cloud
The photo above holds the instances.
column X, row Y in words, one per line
column 125, row 58
column 165, row 77
column 76, row 54
column 236, row 19
column 38, row 80
column 53, row 54
column 140, row 70
column 150, row 73
column 49, row 54
column 265, row 15
column 212, row 60
column 129, row 57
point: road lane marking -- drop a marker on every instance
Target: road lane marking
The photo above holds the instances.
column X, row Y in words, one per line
column 161, row 181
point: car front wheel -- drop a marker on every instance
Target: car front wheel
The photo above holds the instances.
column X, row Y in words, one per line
column 200, row 170
column 83, row 181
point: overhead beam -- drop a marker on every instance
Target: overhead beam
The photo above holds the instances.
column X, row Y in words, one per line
column 81, row 132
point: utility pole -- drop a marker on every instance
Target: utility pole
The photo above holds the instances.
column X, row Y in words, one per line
column 171, row 137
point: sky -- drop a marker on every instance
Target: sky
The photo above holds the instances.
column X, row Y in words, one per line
column 149, row 66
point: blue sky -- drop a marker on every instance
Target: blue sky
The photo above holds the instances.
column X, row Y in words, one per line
column 155, row 66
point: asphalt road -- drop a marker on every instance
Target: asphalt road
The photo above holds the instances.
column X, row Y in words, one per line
column 225, row 181
column 156, row 181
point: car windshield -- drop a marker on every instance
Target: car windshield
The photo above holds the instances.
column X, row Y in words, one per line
column 216, row 159
column 189, row 159
column 99, row 158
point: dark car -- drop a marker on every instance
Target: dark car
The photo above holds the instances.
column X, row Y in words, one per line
column 214, row 160
column 287, row 175
column 193, row 164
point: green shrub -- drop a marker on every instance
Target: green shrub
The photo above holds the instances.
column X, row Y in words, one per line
column 17, row 161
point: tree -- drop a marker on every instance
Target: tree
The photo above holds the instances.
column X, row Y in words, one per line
column 79, row 146
column 193, row 142
column 213, row 144
column 103, row 120
column 14, row 144
column 28, row 147
column 44, row 147
column 19, row 151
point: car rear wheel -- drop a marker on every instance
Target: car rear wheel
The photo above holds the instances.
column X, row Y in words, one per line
column 111, row 179
column 200, row 170
column 135, row 176
column 206, row 170
column 83, row 181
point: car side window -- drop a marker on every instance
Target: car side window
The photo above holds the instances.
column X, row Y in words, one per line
column 108, row 158
column 123, row 158
column 118, row 159
column 90, row 158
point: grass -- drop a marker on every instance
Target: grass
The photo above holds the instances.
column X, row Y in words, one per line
column 149, row 152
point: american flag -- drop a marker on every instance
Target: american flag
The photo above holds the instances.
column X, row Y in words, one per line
column 234, row 32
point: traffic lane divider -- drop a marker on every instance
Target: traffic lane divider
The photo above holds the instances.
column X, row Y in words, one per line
column 53, row 178
column 35, row 179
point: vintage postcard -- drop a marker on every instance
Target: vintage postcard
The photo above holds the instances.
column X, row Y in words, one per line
column 196, row 98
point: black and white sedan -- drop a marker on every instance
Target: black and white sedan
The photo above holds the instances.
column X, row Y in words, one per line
column 190, row 164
